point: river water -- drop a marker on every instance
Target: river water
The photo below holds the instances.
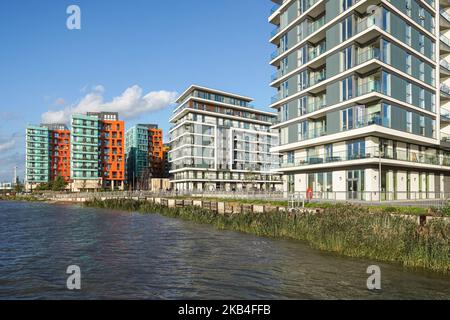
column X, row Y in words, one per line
column 134, row 256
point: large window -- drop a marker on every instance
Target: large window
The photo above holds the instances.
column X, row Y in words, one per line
column 408, row 35
column 346, row 28
column 356, row 149
column 347, row 59
column 347, row 89
column 409, row 122
column 347, row 119
column 409, row 93
column 408, row 63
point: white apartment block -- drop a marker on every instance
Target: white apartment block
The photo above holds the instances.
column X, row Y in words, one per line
column 363, row 97
column 219, row 142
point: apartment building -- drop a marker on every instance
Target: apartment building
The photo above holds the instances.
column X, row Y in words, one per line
column 166, row 162
column 59, row 151
column 97, row 151
column 363, row 97
column 219, row 142
column 47, row 154
column 144, row 154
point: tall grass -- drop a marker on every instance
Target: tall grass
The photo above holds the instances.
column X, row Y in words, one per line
column 345, row 229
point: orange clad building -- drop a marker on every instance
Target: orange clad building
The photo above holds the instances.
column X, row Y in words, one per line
column 156, row 152
column 111, row 150
column 59, row 145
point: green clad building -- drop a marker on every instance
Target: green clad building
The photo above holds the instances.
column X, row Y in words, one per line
column 137, row 151
column 363, row 97
column 37, row 165
column 84, row 151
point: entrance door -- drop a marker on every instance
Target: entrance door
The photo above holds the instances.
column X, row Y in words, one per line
column 353, row 185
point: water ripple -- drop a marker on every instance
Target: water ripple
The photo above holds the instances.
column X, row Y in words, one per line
column 133, row 256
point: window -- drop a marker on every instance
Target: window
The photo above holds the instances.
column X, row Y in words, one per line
column 328, row 152
column 347, row 89
column 284, row 66
column 408, row 63
column 386, row 83
column 386, row 115
column 422, row 16
column 422, row 71
column 422, row 98
column 408, row 7
column 284, row 89
column 347, row 119
column 346, row 28
column 356, row 149
column 284, row 43
column 409, row 93
column 422, row 125
column 302, row 56
column 409, row 122
column 302, row 106
column 291, row 157
column 291, row 183
column 284, row 112
column 303, row 80
column 300, row 31
column 408, row 35
column 433, row 103
column 422, row 43
column 386, row 52
column 347, row 61
column 346, row 4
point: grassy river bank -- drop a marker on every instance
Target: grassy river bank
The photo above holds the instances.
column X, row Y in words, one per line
column 344, row 229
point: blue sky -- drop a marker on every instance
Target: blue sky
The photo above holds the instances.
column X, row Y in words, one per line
column 125, row 50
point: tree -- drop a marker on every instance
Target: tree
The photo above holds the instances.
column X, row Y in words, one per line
column 18, row 188
column 59, row 184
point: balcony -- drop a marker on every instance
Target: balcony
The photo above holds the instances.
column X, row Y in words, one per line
column 445, row 115
column 310, row 29
column 444, row 20
column 444, row 68
column 445, row 92
column 366, row 54
column 367, row 154
column 369, row 120
column 445, row 44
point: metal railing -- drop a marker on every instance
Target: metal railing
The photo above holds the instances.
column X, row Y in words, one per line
column 370, row 153
column 420, row 199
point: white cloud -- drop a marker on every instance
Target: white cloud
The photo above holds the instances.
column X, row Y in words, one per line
column 7, row 145
column 131, row 104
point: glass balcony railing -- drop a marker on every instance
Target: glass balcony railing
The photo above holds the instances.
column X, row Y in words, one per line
column 317, row 78
column 444, row 64
column 367, row 54
column 445, row 114
column 445, row 15
column 369, row 153
column 361, row 122
column 366, row 23
column 369, row 86
column 445, row 40
column 445, row 89
column 274, row 32
column 445, row 137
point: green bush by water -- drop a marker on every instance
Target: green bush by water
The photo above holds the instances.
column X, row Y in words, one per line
column 344, row 229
